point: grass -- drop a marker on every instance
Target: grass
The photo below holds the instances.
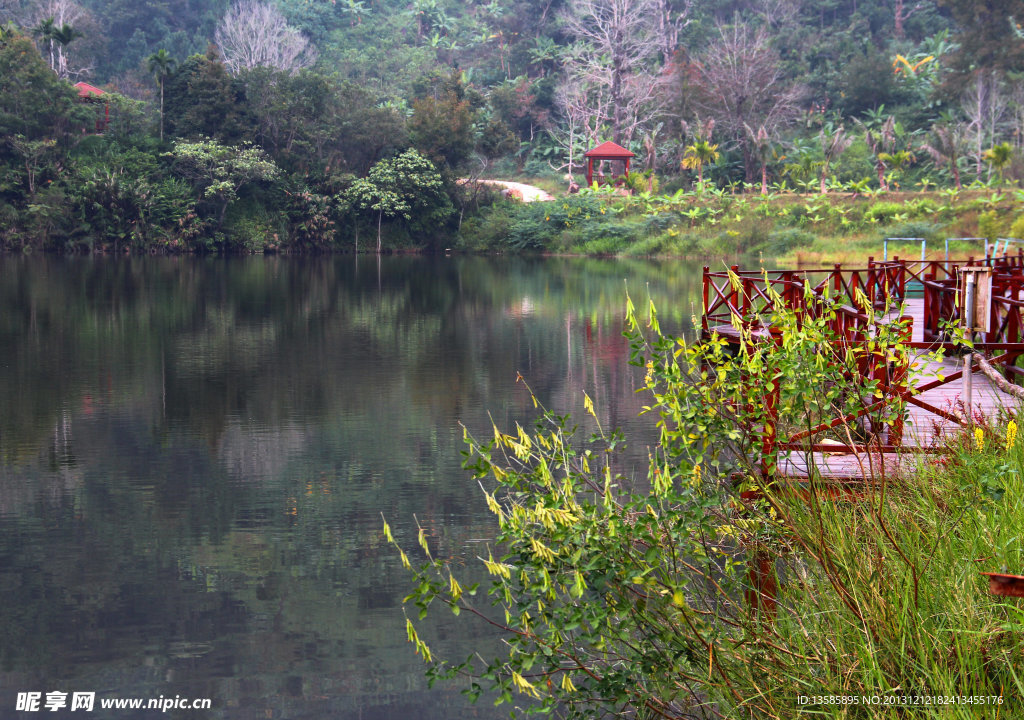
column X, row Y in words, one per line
column 884, row 597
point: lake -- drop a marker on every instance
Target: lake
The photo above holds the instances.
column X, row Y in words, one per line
column 196, row 453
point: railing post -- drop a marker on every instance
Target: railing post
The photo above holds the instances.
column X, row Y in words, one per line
column 872, row 282
column 747, row 299
column 704, row 315
column 899, row 381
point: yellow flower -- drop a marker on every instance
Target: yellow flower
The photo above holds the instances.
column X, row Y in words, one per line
column 650, row 375
column 1011, row 434
column 979, row 439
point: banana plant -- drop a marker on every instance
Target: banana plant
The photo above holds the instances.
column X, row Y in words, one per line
column 699, row 154
column 998, row 157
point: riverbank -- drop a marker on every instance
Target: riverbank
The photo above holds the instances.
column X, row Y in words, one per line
column 793, row 229
column 796, row 230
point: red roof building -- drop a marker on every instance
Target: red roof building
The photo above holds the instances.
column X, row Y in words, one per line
column 85, row 90
column 91, row 93
column 607, row 151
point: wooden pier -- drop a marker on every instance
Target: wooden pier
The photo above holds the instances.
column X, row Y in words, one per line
column 739, row 304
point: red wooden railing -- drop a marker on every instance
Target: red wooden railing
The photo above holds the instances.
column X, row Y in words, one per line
column 739, row 304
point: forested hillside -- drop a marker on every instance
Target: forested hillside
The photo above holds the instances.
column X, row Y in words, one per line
column 310, row 124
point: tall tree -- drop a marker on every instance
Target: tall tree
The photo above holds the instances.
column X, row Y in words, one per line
column 313, row 124
column 699, row 154
column 254, row 34
column 740, row 82
column 881, row 139
column 761, row 146
column 45, row 31
column 64, row 36
column 220, row 171
column 162, row 65
column 999, row 156
column 57, row 25
column 203, row 100
column 614, row 63
column 984, row 103
column 406, row 187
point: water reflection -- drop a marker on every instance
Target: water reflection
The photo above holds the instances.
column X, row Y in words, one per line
column 195, row 455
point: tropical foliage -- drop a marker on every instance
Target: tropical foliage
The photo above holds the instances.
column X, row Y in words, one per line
column 802, row 97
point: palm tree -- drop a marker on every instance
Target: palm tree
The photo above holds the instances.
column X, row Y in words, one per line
column 162, row 65
column 947, row 142
column 63, row 36
column 699, row 154
column 45, row 31
column 998, row 157
column 896, row 160
column 833, row 144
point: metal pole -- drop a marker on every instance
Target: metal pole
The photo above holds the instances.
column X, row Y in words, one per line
column 885, row 250
column 968, row 315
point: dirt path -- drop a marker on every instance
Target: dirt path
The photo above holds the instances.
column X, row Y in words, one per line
column 520, row 191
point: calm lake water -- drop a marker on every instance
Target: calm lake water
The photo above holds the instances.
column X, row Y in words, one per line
column 195, row 455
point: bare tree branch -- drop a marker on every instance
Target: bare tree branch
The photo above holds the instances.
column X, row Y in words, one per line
column 740, row 82
column 984, row 104
column 610, row 66
column 254, row 34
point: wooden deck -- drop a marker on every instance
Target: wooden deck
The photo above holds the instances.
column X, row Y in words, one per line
column 923, row 428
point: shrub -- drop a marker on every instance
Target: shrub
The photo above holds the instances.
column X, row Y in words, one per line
column 932, row 232
column 883, row 211
column 1017, row 228
column 637, row 597
column 993, row 224
column 640, row 182
column 782, row 241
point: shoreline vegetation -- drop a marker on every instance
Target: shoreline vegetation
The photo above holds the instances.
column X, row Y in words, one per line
column 799, row 230
column 706, row 590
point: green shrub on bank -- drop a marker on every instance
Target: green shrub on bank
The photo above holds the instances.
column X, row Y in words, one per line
column 932, row 232
column 784, row 241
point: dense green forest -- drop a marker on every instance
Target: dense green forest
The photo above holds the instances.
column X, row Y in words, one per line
column 307, row 124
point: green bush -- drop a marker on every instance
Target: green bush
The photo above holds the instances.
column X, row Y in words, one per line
column 993, row 224
column 884, row 211
column 666, row 243
column 1017, row 228
column 640, row 182
column 782, row 241
column 916, row 229
column 251, row 228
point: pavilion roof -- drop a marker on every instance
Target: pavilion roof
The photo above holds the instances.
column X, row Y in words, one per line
column 86, row 90
column 609, row 150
